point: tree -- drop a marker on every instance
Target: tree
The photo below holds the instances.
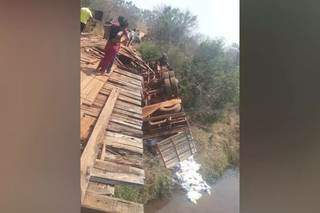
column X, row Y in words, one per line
column 171, row 25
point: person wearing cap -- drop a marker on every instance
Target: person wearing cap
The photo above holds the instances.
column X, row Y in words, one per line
column 117, row 30
column 85, row 16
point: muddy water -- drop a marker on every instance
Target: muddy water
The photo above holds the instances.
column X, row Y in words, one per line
column 223, row 199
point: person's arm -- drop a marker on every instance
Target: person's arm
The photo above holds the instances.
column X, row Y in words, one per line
column 125, row 33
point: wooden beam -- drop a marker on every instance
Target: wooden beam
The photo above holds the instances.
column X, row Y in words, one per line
column 109, row 204
column 114, row 178
column 90, row 152
column 108, row 166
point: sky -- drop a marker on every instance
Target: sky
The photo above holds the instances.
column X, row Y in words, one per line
column 216, row 18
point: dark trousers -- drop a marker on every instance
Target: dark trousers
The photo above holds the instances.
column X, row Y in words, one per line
column 82, row 26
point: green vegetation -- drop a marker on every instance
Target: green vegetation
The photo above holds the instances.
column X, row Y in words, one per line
column 127, row 193
column 158, row 183
column 149, row 51
column 158, row 179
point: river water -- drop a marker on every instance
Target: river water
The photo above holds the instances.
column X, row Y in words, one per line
column 224, row 198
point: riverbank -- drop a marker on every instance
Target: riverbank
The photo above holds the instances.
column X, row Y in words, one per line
column 223, row 199
column 218, row 151
column 218, row 145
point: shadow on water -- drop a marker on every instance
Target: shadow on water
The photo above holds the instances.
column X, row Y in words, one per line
column 224, row 198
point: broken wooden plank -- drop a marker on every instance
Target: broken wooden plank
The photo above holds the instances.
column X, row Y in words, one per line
column 89, row 154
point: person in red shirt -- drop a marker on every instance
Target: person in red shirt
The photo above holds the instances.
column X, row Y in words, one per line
column 118, row 29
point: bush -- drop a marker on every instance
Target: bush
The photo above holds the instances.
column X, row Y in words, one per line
column 127, row 193
column 149, row 51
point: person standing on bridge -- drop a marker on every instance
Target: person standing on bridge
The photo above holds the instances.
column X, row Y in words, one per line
column 85, row 16
column 117, row 30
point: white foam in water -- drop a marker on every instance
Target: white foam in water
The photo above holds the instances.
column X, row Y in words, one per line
column 190, row 180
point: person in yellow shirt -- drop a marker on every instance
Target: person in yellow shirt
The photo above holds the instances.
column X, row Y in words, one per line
column 85, row 16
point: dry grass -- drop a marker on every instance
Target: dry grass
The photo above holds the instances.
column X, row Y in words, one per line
column 219, row 147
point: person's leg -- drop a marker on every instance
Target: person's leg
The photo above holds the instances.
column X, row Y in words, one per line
column 110, row 65
column 82, row 27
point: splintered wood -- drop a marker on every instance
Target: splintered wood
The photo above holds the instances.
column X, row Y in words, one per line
column 111, row 133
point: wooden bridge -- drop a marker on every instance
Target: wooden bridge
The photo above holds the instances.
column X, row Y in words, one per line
column 111, row 134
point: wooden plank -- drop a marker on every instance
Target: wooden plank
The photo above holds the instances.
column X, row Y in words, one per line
column 109, row 204
column 98, row 83
column 100, row 100
column 176, row 137
column 135, row 90
column 163, row 145
column 179, row 145
column 107, row 166
column 126, row 73
column 114, row 178
column 127, row 113
column 123, row 97
column 164, row 162
column 123, row 122
column 133, row 141
column 89, row 154
column 101, row 189
column 123, row 90
column 175, row 149
column 86, row 123
column 90, row 110
column 112, row 126
column 124, row 83
column 115, row 144
column 85, row 79
column 127, row 79
column 128, row 119
column 129, row 107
